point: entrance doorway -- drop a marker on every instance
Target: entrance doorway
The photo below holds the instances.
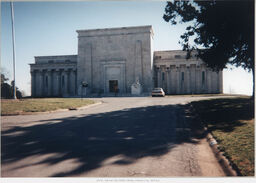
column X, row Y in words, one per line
column 113, row 86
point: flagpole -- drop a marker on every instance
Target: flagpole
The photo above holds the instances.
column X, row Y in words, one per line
column 14, row 54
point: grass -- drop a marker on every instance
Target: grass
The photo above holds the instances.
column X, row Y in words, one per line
column 231, row 121
column 201, row 95
column 24, row 106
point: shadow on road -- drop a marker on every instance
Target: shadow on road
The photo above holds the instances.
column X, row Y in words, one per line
column 133, row 133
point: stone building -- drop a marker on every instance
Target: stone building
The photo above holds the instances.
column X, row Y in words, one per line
column 178, row 75
column 54, row 76
column 123, row 59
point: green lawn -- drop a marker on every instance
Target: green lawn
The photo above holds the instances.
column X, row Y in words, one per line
column 231, row 121
column 202, row 95
column 23, row 106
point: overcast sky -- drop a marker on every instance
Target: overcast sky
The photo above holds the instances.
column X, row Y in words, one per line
column 49, row 28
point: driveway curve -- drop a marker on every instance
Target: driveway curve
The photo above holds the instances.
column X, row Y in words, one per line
column 122, row 137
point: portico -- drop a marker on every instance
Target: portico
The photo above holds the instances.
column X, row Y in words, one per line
column 178, row 75
column 54, row 77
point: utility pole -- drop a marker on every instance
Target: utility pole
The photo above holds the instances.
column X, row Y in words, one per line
column 14, row 54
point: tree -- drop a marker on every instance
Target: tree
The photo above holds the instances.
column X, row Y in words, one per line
column 7, row 89
column 3, row 79
column 222, row 32
column 18, row 93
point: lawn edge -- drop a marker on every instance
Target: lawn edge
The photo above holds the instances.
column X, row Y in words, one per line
column 53, row 111
column 222, row 159
column 224, row 162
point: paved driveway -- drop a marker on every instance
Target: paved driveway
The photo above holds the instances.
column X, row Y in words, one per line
column 122, row 137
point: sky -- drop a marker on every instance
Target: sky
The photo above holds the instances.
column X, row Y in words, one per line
column 49, row 28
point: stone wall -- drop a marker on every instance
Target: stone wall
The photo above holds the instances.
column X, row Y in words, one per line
column 121, row 54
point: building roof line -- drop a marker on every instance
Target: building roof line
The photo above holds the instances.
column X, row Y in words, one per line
column 114, row 28
column 55, row 56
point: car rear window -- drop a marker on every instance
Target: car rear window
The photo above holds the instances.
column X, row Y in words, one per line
column 157, row 90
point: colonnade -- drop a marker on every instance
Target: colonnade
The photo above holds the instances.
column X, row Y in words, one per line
column 53, row 82
column 188, row 79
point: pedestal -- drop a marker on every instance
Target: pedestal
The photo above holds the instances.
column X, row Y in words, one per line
column 136, row 89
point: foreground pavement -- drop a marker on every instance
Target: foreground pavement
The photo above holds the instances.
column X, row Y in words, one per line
column 122, row 137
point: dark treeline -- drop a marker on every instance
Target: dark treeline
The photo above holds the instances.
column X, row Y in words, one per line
column 7, row 89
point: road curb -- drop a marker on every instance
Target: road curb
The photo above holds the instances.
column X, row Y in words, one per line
column 88, row 106
column 223, row 161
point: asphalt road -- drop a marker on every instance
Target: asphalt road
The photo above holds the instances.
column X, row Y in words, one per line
column 122, row 137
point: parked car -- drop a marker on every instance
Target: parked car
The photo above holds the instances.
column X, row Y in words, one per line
column 158, row 92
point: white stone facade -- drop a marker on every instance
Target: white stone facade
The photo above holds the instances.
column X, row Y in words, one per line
column 54, row 76
column 118, row 54
column 178, row 75
column 112, row 60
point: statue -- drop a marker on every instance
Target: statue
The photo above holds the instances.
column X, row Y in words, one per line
column 136, row 87
column 137, row 81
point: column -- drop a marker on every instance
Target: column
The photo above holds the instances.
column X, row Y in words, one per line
column 188, row 89
column 33, row 78
column 161, row 81
column 214, row 82
column 40, row 83
column 65, row 92
column 203, row 87
column 177, row 80
column 54, row 83
column 208, row 81
column 154, row 77
column 49, row 84
column 36, row 83
column 76, row 87
column 45, row 87
column 197, row 79
column 158, row 77
column 173, row 79
column 163, row 78
column 72, row 82
column 182, row 82
column 68, row 82
column 59, row 93
column 220, row 81
column 193, row 78
column 168, row 79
